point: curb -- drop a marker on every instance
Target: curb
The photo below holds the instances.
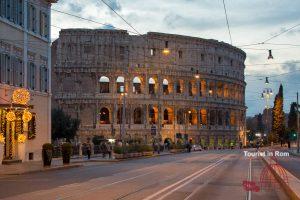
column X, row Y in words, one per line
column 47, row 169
column 286, row 187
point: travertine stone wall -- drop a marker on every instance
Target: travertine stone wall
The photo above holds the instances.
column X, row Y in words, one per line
column 197, row 89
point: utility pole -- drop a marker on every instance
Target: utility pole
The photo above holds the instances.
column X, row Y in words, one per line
column 298, row 134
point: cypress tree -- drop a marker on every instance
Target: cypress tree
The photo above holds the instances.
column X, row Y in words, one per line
column 278, row 127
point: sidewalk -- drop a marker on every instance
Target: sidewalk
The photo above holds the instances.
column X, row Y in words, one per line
column 34, row 166
column 56, row 164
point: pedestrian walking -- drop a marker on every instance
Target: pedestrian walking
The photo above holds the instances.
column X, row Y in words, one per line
column 89, row 150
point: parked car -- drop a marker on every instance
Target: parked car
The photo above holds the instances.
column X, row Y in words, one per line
column 196, row 147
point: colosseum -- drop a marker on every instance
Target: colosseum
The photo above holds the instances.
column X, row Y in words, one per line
column 171, row 86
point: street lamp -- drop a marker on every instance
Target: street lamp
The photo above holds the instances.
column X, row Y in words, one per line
column 185, row 119
column 267, row 94
column 197, row 75
column 123, row 94
column 166, row 50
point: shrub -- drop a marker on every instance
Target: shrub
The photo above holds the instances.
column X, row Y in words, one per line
column 47, row 152
column 66, row 152
column 48, row 146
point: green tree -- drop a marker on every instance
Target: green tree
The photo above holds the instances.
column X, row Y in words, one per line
column 292, row 118
column 278, row 127
column 63, row 125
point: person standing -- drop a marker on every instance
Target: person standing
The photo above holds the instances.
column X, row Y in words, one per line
column 89, row 150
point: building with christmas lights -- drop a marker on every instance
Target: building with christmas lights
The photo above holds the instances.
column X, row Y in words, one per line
column 25, row 53
column 172, row 86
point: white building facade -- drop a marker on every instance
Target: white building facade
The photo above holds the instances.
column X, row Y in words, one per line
column 25, row 62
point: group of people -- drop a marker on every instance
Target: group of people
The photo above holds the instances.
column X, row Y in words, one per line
column 105, row 148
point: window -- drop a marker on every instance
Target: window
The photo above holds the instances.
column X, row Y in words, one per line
column 5, row 69
column 104, row 84
column 2, row 8
column 165, row 86
column 31, row 18
column 9, row 71
column 219, row 60
column 203, row 117
column 152, row 51
column 151, row 86
column 180, row 54
column 31, row 75
column 120, row 83
column 44, row 24
column 178, row 87
column 202, row 57
column 17, row 65
column 43, row 78
column 137, row 85
column 104, row 116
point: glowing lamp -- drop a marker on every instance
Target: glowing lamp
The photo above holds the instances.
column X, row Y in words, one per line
column 10, row 116
column 21, row 138
column 2, row 139
column 166, row 51
column 21, row 96
column 27, row 116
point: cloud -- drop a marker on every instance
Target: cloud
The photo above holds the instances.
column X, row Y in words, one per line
column 291, row 65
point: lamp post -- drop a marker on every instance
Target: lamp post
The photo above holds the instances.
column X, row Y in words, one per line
column 185, row 119
column 123, row 94
column 267, row 94
column 298, row 139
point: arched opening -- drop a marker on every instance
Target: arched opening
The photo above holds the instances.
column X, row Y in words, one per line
column 220, row 89
column 151, row 86
column 104, row 84
column 232, row 118
column 165, row 86
column 153, row 115
column 203, row 113
column 120, row 115
column 137, row 116
column 120, row 82
column 104, row 116
column 203, row 88
column 212, row 117
column 226, row 94
column 192, row 89
column 192, row 117
column 179, row 87
column 180, row 116
column 227, row 118
column 137, row 83
column 211, row 89
column 168, row 116
column 220, row 118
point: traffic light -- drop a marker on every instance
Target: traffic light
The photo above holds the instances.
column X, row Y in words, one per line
column 293, row 135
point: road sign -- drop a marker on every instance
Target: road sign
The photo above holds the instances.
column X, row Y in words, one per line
column 153, row 130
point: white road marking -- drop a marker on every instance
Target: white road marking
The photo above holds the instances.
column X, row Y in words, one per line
column 191, row 177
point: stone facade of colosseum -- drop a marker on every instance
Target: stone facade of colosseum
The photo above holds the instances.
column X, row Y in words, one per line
column 177, row 84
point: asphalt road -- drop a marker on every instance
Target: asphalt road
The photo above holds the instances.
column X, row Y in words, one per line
column 198, row 175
